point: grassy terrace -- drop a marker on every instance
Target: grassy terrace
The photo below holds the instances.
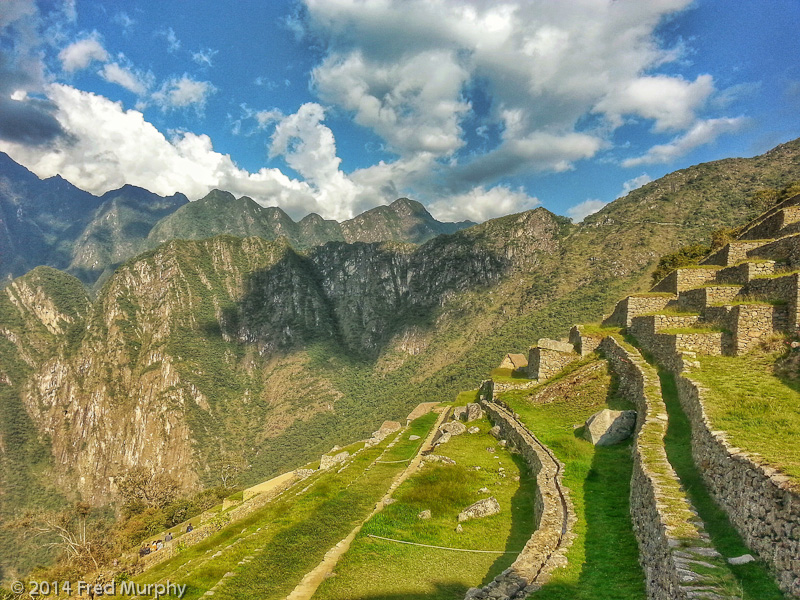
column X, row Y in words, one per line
column 754, row 578
column 381, row 570
column 759, row 409
column 604, row 555
column 268, row 552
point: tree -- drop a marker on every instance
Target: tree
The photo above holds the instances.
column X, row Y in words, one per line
column 139, row 487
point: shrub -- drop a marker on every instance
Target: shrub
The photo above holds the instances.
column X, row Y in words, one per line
column 688, row 255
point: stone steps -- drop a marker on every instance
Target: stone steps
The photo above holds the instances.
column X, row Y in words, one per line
column 635, row 305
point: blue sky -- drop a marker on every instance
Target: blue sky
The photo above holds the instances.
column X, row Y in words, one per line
column 477, row 109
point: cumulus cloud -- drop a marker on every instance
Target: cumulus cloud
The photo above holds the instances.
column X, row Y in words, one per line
column 182, row 92
column 110, row 146
column 125, row 76
column 671, row 102
column 480, row 204
column 588, row 207
column 703, row 132
column 544, row 65
column 80, row 54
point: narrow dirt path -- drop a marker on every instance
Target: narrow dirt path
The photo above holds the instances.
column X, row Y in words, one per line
column 312, row 580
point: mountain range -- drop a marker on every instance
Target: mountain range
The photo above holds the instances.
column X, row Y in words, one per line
column 242, row 333
column 51, row 222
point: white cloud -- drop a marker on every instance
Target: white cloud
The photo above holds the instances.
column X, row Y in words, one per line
column 80, row 54
column 703, row 132
column 181, row 92
column 204, row 57
column 173, row 43
column 635, row 184
column 480, row 204
column 670, row 101
column 138, row 83
column 545, row 65
column 588, row 207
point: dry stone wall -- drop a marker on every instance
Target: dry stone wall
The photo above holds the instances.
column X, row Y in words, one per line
column 554, row 515
column 732, row 253
column 785, row 250
column 583, row 344
column 699, row 298
column 548, row 357
column 685, row 279
column 786, row 288
column 770, row 227
column 674, row 551
column 760, row 502
column 743, row 273
column 633, row 306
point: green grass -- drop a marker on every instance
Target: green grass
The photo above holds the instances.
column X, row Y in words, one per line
column 289, row 536
column 777, row 274
column 604, row 555
column 759, row 410
column 752, row 301
column 509, row 376
column 653, row 294
column 754, row 579
column 598, row 330
column 378, row 569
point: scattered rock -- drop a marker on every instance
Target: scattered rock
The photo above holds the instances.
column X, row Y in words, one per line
column 474, row 430
column 304, row 473
column 390, row 427
column 741, row 560
column 483, row 490
column 413, row 438
column 609, row 427
column 495, row 431
column 491, row 449
column 334, row 449
column 503, row 443
column 459, row 528
column 444, row 438
column 326, row 462
column 474, row 412
column 453, row 428
column 389, row 501
column 425, row 514
column 439, row 459
column 460, row 413
column 482, row 508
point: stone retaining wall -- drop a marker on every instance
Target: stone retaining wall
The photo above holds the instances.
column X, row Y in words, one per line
column 759, row 501
column 699, row 298
column 785, row 250
column 674, row 551
column 633, row 306
column 548, row 357
column 499, row 388
column 215, row 523
column 771, row 226
column 583, row 344
column 732, row 253
column 554, row 515
column 685, row 279
column 785, row 288
column 743, row 273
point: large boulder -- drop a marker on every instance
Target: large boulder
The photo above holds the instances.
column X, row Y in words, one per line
column 609, row 427
column 474, row 411
column 453, row 428
column 460, row 413
column 326, row 462
column 482, row 508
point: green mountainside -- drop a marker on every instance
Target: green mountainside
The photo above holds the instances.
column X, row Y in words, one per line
column 201, row 350
column 220, row 212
